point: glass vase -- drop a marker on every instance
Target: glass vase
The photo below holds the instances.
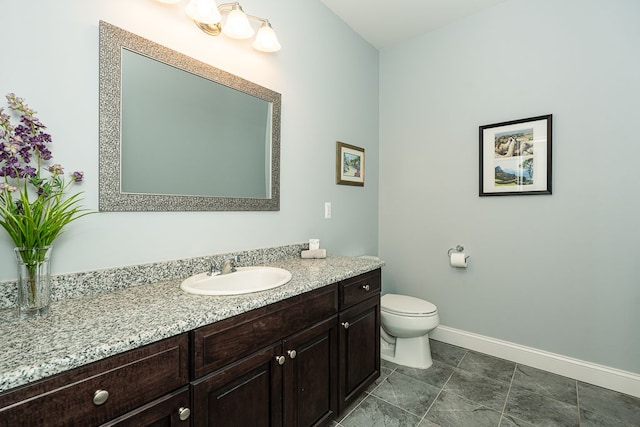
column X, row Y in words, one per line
column 34, row 286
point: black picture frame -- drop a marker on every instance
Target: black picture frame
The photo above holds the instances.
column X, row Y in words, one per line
column 515, row 157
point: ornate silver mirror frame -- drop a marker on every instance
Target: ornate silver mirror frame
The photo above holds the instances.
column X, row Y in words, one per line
column 111, row 197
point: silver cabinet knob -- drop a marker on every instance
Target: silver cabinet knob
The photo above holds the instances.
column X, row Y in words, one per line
column 280, row 360
column 184, row 413
column 345, row 325
column 292, row 354
column 365, row 287
column 100, row 396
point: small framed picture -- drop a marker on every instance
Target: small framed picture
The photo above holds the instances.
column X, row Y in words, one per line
column 515, row 157
column 349, row 164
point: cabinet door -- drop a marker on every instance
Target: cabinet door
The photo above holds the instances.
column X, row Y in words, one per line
column 359, row 349
column 168, row 411
column 221, row 343
column 311, row 375
column 246, row 393
column 126, row 381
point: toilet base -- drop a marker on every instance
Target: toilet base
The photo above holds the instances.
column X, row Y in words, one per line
column 412, row 352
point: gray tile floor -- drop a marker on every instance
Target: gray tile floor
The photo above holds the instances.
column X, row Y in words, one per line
column 465, row 388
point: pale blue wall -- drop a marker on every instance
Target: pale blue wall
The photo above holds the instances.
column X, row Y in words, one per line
column 557, row 273
column 328, row 78
column 552, row 272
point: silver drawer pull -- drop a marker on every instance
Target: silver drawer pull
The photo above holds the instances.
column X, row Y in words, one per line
column 100, row 396
column 365, row 287
column 280, row 360
column 292, row 354
column 184, row 413
column 345, row 325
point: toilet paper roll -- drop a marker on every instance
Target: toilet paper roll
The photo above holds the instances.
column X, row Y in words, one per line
column 458, row 259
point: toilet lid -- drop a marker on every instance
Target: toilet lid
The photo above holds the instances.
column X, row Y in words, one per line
column 403, row 304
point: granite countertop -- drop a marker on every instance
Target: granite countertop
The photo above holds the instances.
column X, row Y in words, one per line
column 90, row 328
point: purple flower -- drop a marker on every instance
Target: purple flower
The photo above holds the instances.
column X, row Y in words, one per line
column 30, row 171
column 56, row 169
column 43, row 192
column 6, row 171
column 77, row 176
column 24, row 156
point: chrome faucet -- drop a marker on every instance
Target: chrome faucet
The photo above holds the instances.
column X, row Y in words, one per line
column 228, row 265
column 213, row 269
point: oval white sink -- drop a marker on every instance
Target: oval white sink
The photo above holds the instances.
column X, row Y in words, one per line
column 243, row 281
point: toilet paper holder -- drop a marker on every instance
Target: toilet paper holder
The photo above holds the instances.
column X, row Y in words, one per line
column 458, row 248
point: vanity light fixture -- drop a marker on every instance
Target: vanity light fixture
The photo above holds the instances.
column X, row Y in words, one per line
column 208, row 16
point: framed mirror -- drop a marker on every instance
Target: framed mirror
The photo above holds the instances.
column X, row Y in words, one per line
column 177, row 134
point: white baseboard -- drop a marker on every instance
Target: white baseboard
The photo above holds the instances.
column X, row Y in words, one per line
column 603, row 376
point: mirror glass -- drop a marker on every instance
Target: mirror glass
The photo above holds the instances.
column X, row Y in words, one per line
column 180, row 135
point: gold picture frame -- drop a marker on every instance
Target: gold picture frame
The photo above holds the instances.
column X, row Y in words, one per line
column 349, row 164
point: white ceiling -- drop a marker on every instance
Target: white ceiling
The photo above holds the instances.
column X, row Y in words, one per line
column 384, row 23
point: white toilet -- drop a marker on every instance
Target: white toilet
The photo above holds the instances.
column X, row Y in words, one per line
column 404, row 335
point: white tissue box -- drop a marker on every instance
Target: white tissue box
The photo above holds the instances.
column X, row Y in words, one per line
column 315, row 253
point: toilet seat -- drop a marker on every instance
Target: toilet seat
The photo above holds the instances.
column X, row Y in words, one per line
column 404, row 305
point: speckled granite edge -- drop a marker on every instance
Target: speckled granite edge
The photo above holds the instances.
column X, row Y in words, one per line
column 87, row 329
column 96, row 282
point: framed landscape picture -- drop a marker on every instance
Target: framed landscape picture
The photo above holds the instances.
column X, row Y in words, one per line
column 349, row 164
column 515, row 157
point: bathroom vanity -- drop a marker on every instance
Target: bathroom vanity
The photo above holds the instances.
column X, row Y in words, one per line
column 298, row 360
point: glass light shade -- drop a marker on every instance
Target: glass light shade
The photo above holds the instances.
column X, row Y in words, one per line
column 204, row 11
column 237, row 25
column 169, row 1
column 266, row 40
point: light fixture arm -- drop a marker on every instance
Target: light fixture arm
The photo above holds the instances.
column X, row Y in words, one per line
column 211, row 29
column 235, row 5
column 207, row 15
column 257, row 18
column 231, row 6
column 216, row 29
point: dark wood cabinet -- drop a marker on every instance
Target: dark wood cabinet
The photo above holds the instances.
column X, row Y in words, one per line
column 246, row 393
column 101, row 391
column 311, row 375
column 359, row 359
column 217, row 345
column 170, row 410
column 292, row 381
column 359, row 288
column 359, row 349
column 293, row 363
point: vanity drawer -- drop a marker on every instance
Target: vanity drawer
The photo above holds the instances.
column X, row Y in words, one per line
column 131, row 379
column 223, row 342
column 359, row 288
